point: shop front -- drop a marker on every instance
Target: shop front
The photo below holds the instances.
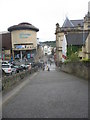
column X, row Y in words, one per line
column 27, row 55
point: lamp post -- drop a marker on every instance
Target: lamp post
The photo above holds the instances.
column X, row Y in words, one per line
column 71, row 47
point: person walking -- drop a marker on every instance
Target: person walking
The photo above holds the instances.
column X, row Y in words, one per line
column 50, row 63
column 48, row 69
column 43, row 66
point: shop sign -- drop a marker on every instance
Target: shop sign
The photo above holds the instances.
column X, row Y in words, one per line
column 24, row 35
column 20, row 46
column 28, row 56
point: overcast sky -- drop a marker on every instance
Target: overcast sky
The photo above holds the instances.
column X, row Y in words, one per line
column 43, row 14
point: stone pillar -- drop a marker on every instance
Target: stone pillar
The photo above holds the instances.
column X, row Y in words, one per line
column 83, row 52
column 13, row 54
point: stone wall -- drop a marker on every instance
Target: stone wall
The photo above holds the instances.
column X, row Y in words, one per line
column 80, row 69
column 9, row 82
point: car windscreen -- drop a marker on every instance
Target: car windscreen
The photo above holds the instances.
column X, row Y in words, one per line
column 16, row 66
column 4, row 63
column 5, row 66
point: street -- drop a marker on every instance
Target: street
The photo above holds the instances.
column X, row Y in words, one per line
column 49, row 94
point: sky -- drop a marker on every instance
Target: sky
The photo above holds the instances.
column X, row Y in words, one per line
column 43, row 14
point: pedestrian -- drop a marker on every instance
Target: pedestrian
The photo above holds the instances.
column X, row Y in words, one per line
column 48, row 69
column 43, row 66
column 50, row 63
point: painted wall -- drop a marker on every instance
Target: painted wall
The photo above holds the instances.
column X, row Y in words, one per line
column 24, row 36
column 64, row 49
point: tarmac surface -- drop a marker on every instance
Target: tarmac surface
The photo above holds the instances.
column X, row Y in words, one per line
column 52, row 94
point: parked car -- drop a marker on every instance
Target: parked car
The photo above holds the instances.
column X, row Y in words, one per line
column 34, row 66
column 42, row 61
column 40, row 65
column 51, row 60
column 27, row 66
column 5, row 62
column 6, row 68
column 23, row 66
column 18, row 68
column 13, row 69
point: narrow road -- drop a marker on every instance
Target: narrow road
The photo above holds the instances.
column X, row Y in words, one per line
column 51, row 94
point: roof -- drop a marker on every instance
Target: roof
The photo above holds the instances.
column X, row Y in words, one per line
column 23, row 26
column 77, row 22
column 4, row 32
column 76, row 38
column 72, row 23
column 67, row 23
column 87, row 16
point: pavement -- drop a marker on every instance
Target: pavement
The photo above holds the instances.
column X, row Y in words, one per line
column 53, row 94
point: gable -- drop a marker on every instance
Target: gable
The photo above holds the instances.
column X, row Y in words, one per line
column 67, row 23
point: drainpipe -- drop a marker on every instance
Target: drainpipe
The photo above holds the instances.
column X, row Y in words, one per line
column 21, row 55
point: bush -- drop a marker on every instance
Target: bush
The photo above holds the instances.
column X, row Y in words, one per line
column 73, row 57
column 67, row 61
column 85, row 60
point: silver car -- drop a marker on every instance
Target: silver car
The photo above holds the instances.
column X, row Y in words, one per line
column 6, row 68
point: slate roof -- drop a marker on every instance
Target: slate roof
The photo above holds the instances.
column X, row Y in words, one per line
column 76, row 38
column 23, row 26
column 77, row 22
column 72, row 23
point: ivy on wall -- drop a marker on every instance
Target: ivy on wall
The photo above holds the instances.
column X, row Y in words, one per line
column 72, row 52
column 73, row 49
